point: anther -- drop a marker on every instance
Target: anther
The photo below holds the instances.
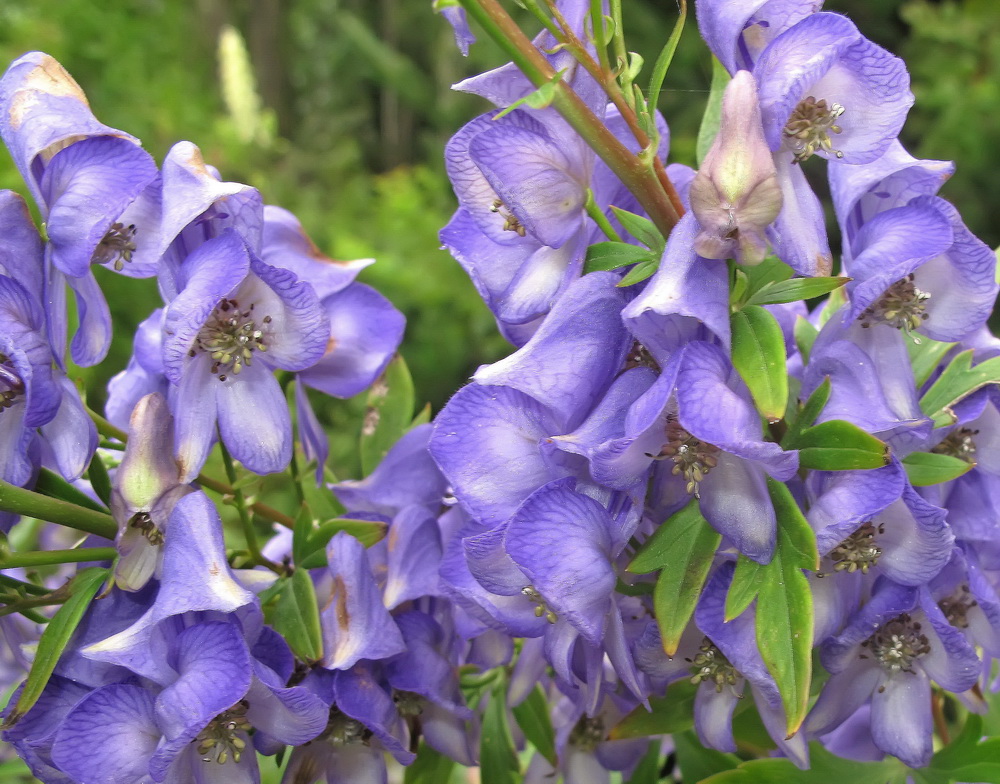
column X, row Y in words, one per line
column 902, row 306
column 809, row 127
column 116, row 246
column 510, row 223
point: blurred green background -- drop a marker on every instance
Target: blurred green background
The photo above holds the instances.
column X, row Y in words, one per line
column 339, row 109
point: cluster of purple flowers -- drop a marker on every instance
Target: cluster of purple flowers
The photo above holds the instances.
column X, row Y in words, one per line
column 622, row 405
column 507, row 526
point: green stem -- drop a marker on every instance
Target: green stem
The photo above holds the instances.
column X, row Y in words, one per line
column 52, row 557
column 536, row 11
column 598, row 216
column 618, row 40
column 666, row 56
column 105, row 428
column 249, row 533
column 21, row 501
column 24, row 605
column 600, row 42
column 18, row 585
column 637, row 177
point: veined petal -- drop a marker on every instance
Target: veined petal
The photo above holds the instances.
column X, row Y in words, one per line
column 486, row 441
column 901, row 717
column 254, row 422
column 87, row 187
column 365, row 331
column 355, row 623
column 561, row 540
column 109, row 736
column 687, row 299
column 575, row 354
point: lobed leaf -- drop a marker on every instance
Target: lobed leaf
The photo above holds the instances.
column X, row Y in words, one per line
column 957, row 381
column 612, row 255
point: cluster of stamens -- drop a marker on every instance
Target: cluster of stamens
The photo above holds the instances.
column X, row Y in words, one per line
column 639, row 356
column 956, row 606
column 541, row 608
column 231, row 336
column 588, row 732
column 510, row 223
column 116, row 246
column 711, row 665
column 342, row 729
column 897, row 644
column 903, row 306
column 958, row 443
column 858, row 552
column 692, row 458
column 221, row 740
column 408, row 703
column 11, row 385
column 144, row 523
column 809, row 128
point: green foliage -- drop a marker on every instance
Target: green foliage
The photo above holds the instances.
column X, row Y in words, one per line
column 958, row 380
column 927, row 468
column 759, row 356
column 296, row 617
column 682, row 548
column 388, row 413
column 532, row 716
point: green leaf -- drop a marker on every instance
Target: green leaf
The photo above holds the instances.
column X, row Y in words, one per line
column 967, row 757
column 738, row 287
column 639, row 273
column 839, row 446
column 784, row 620
column 497, row 759
column 824, row 768
column 368, row 532
column 925, row 355
column 682, row 548
column 97, row 473
column 713, row 110
column 957, row 381
column 533, row 718
column 540, row 98
column 430, row 767
column 648, row 769
column 759, row 356
column 744, row 588
column 642, row 229
column 55, row 638
column 805, row 335
column 670, row 713
column 388, row 413
column 304, row 528
column 771, row 270
column 422, row 418
column 794, row 290
column 612, row 255
column 928, row 468
column 699, row 762
column 55, row 486
column 297, row 617
column 808, row 413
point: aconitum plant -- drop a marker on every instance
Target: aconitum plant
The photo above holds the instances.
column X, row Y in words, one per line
column 720, row 516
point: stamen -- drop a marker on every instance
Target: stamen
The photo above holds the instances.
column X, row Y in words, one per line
column 958, row 443
column 510, row 223
column 341, row 729
column 541, row 607
column 693, row 458
column 116, row 246
column 408, row 703
column 711, row 665
column 897, row 644
column 221, row 739
column 11, row 385
column 903, row 306
column 143, row 522
column 231, row 336
column 588, row 732
column 809, row 128
column 858, row 552
column 639, row 356
column 956, row 606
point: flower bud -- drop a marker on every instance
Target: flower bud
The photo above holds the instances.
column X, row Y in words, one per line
column 735, row 194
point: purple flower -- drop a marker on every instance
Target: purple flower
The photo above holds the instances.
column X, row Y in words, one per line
column 235, row 320
column 889, row 653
